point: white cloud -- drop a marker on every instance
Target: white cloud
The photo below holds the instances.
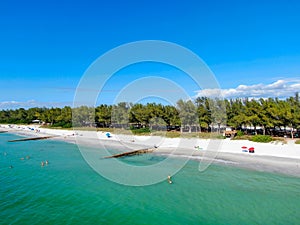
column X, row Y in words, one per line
column 280, row 89
column 30, row 104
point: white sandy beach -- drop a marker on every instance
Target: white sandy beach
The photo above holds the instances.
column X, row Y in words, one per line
column 271, row 157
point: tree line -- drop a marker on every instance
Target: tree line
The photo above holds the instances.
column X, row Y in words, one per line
column 203, row 114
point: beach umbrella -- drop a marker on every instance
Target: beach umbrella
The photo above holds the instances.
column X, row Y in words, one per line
column 107, row 134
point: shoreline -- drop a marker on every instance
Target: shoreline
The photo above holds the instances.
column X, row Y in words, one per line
column 268, row 157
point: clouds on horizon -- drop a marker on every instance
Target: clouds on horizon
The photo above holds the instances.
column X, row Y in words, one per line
column 31, row 104
column 281, row 88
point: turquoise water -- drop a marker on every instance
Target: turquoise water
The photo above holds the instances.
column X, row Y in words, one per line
column 68, row 191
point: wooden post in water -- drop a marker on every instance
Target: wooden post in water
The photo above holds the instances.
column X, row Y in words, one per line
column 136, row 152
column 33, row 139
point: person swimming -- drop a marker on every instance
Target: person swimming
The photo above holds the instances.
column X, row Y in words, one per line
column 47, row 162
column 42, row 163
column 169, row 179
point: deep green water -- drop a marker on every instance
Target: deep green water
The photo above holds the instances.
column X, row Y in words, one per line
column 68, row 191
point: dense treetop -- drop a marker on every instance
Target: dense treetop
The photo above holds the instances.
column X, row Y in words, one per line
column 201, row 114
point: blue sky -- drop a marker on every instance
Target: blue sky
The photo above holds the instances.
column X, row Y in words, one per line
column 46, row 46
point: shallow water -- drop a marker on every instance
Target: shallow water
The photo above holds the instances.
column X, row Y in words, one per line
column 68, row 191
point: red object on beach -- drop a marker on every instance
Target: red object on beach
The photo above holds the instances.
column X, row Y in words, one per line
column 251, row 149
column 244, row 147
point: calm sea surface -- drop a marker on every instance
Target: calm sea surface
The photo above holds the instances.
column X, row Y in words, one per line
column 68, row 191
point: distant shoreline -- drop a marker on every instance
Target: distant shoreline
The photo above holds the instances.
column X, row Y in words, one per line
column 268, row 157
